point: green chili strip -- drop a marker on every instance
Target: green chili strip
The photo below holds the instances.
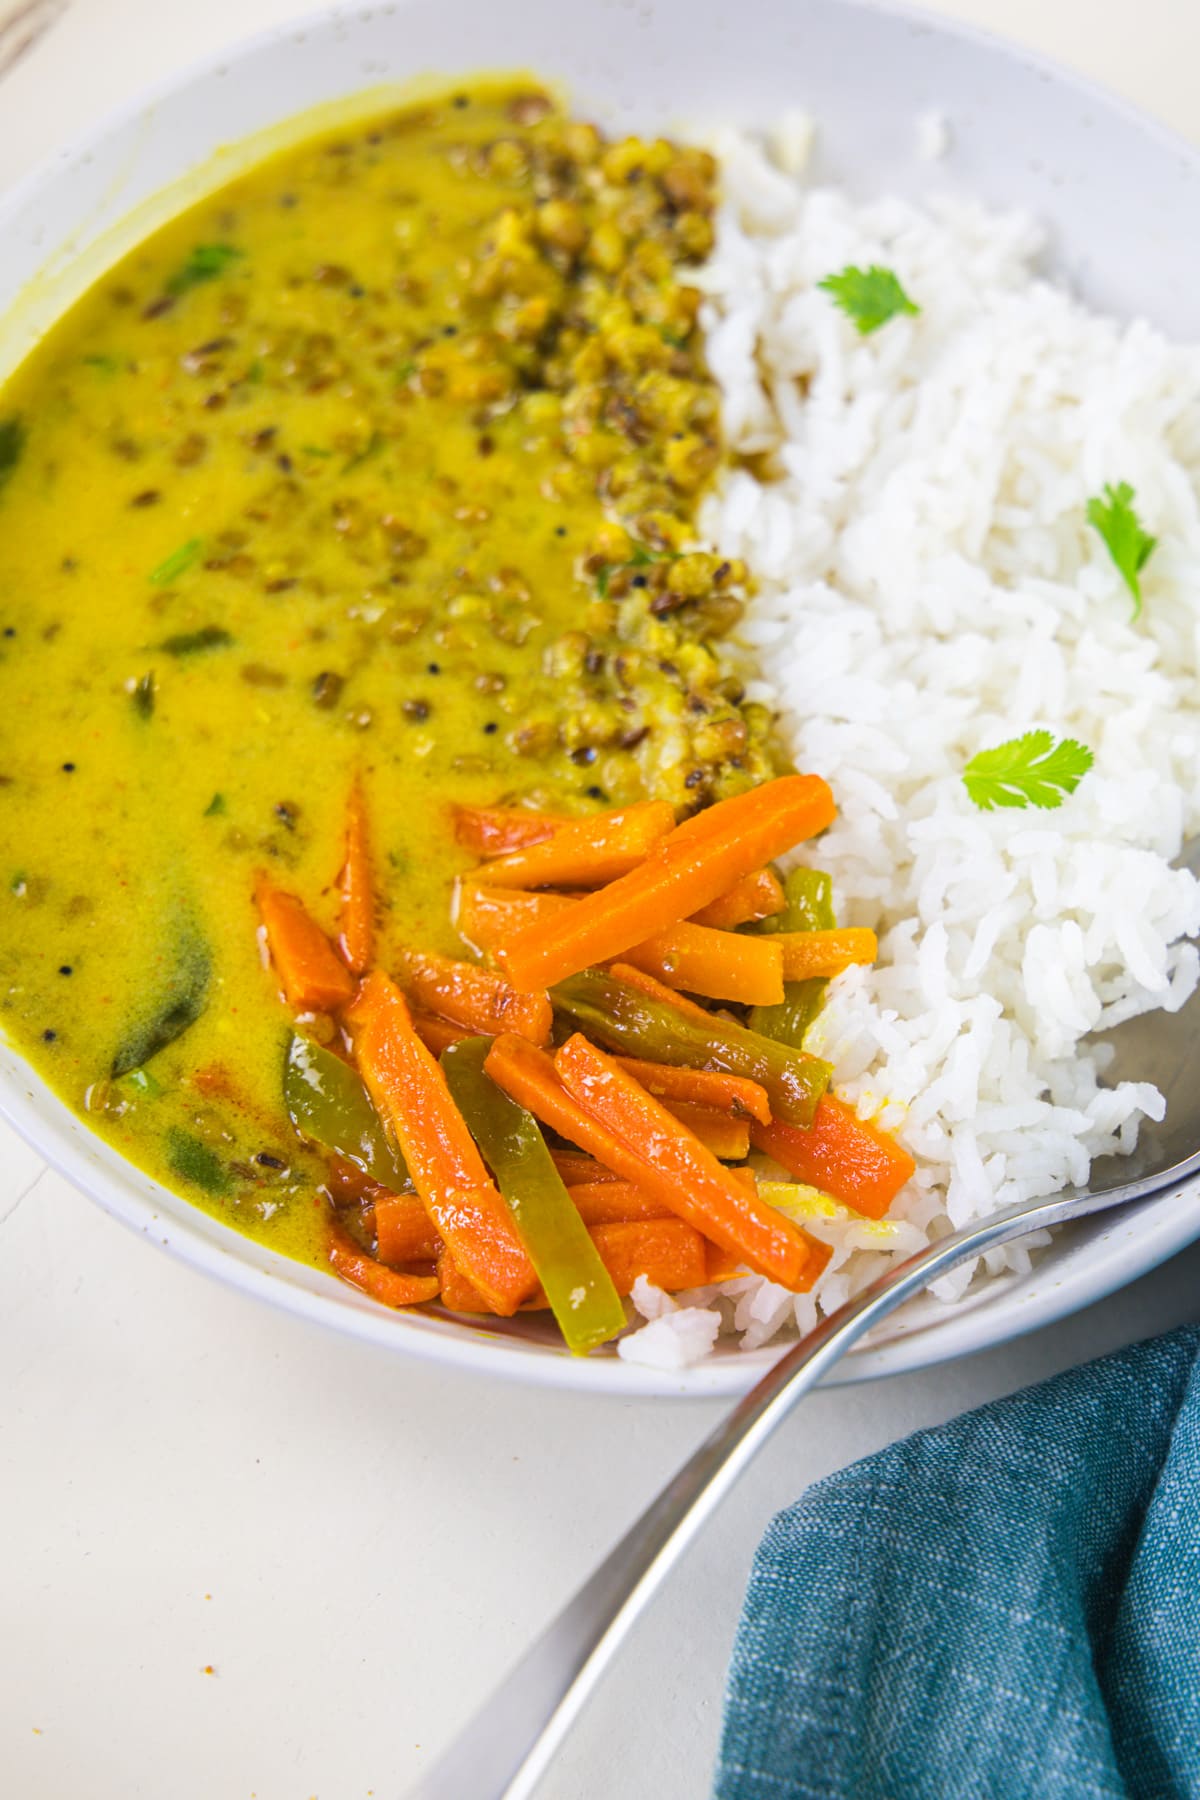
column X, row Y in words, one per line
column 578, row 1286
column 630, row 1021
column 809, row 907
column 328, row 1104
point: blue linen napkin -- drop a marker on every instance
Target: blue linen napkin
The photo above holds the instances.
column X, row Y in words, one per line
column 1006, row 1607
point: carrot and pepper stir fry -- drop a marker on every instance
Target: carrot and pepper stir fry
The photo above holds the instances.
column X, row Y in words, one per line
column 571, row 1104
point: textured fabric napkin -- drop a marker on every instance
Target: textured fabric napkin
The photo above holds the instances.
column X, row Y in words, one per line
column 1005, row 1607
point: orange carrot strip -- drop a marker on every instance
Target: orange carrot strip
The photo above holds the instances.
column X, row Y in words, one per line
column 438, row 1034
column 530, row 1077
column 410, row 1094
column 587, row 853
column 811, row 953
column 488, row 918
column 495, row 830
column 669, row 1253
column 473, row 997
column 678, row 1168
column 666, row 1251
column 577, row 1170
column 757, row 896
column 689, row 869
column 718, row 964
column 312, row 977
column 638, row 978
column 615, row 1203
column 728, row 1138
column 356, row 918
column 459, row 1294
column 842, row 1155
column 721, row 1266
column 403, row 1233
column 386, row 1285
column 703, row 1087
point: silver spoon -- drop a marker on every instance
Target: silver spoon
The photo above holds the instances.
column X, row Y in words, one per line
column 509, row 1744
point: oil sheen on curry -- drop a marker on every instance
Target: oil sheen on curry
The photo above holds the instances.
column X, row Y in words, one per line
column 375, row 474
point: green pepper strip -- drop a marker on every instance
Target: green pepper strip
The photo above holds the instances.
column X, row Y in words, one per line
column 630, row 1021
column 809, row 907
column 578, row 1286
column 327, row 1103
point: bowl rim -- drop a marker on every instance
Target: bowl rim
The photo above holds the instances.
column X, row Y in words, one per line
column 60, row 1136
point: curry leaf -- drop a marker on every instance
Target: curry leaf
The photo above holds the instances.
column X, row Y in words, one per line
column 176, row 1004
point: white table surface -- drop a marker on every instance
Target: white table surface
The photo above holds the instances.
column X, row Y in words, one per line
column 241, row 1559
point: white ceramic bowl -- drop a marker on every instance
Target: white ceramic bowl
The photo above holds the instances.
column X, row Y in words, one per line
column 1116, row 191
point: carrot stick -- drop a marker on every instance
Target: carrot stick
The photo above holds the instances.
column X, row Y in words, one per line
column 488, row 918
column 703, row 1087
column 410, row 1094
column 586, row 853
column 472, row 997
column 728, row 1138
column 616, row 1202
column 459, row 1294
column 386, row 1285
column 757, row 896
column 814, row 953
column 842, row 1155
column 689, row 869
column 577, row 1170
column 356, row 918
column 624, row 1199
column 312, row 977
column 403, row 1233
column 683, row 1175
column 530, row 1077
column 666, row 1251
column 495, row 830
column 719, row 964
column 721, row 1266
column 438, row 1034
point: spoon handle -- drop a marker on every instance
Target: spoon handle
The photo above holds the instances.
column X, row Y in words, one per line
column 507, row 1746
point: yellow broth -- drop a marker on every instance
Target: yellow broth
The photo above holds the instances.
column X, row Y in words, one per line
column 382, row 459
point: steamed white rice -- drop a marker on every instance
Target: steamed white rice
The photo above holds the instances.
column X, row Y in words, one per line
column 929, row 587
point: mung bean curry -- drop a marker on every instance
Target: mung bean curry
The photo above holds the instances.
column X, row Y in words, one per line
column 388, row 841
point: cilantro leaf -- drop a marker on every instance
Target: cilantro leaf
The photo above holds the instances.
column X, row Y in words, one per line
column 204, row 263
column 1130, row 547
column 1031, row 770
column 870, row 297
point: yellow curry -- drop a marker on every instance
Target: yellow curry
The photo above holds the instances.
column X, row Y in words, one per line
column 383, row 458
